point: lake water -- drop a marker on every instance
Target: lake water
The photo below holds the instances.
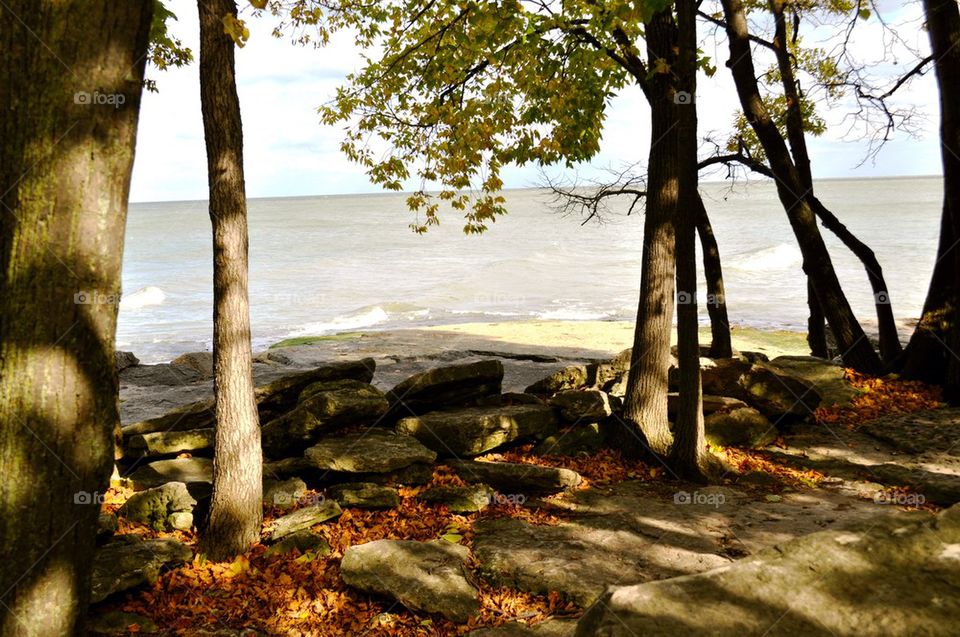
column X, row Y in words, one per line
column 322, row 265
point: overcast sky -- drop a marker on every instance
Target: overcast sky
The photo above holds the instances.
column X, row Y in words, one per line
column 288, row 152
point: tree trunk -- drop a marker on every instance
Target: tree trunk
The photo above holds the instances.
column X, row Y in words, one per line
column 688, row 456
column 720, row 345
column 855, row 348
column 236, row 508
column 816, row 328
column 70, row 85
column 932, row 354
column 886, row 323
column 645, row 405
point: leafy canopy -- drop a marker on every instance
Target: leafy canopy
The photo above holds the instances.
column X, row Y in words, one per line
column 456, row 90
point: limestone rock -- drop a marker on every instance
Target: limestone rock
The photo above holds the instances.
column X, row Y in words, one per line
column 167, row 443
column 469, row 499
column 571, row 377
column 130, row 561
column 572, row 441
column 323, row 407
column 302, row 542
column 283, row 494
column 123, row 360
column 302, row 520
column 582, row 405
column 190, row 471
column 373, row 451
column 200, row 362
column 516, row 479
column 117, row 622
column 423, row 576
column 827, row 377
column 157, row 507
column 364, row 495
column 711, row 404
column 741, row 427
column 449, row 386
column 475, row 430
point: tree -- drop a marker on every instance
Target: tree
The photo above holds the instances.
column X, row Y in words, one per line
column 70, row 87
column 855, row 348
column 236, row 506
column 932, row 354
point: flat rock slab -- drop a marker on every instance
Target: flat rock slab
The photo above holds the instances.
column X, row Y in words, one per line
column 932, row 431
column 372, row 451
column 131, row 561
column 582, row 405
column 890, row 577
column 323, row 407
column 468, row 499
column 827, row 377
column 158, row 507
column 302, row 520
column 476, row 430
column 190, row 471
column 423, row 576
column 302, row 542
column 447, row 386
column 167, row 443
column 516, row 479
column 364, row 495
column 549, row 628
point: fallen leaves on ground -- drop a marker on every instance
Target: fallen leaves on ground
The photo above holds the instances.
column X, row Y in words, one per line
column 746, row 460
column 881, row 397
column 601, row 468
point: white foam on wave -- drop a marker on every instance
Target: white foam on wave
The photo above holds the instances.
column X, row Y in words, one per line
column 779, row 257
column 365, row 317
column 572, row 314
column 144, row 297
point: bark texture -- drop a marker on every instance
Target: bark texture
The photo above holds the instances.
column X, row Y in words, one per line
column 70, row 86
column 236, row 508
column 853, row 345
column 645, row 405
column 932, row 354
column 688, row 454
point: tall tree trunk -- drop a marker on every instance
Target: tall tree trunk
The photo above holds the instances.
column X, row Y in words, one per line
column 645, row 406
column 855, row 348
column 70, row 85
column 932, row 354
column 688, row 456
column 236, row 507
column 720, row 345
column 886, row 323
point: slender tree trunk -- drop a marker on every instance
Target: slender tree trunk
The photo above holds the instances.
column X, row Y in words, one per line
column 932, row 354
column 688, row 456
column 236, row 508
column 855, row 348
column 816, row 326
column 886, row 323
column 720, row 345
column 645, row 406
column 70, row 85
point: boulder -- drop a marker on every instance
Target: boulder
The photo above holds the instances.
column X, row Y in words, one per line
column 157, row 507
column 423, row 576
column 273, row 399
column 323, row 407
column 572, row 441
column 107, row 525
column 302, row 520
column 200, row 362
column 417, row 474
column 740, row 427
column 516, row 479
column 130, row 561
column 162, row 374
column 829, row 378
column 302, row 542
column 283, row 494
column 449, row 386
column 372, row 451
column 711, row 404
column 582, row 405
column 190, row 471
column 168, row 443
column 123, row 360
column 572, row 377
column 858, row 581
column 475, row 430
column 364, row 495
column 774, row 392
column 468, row 499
